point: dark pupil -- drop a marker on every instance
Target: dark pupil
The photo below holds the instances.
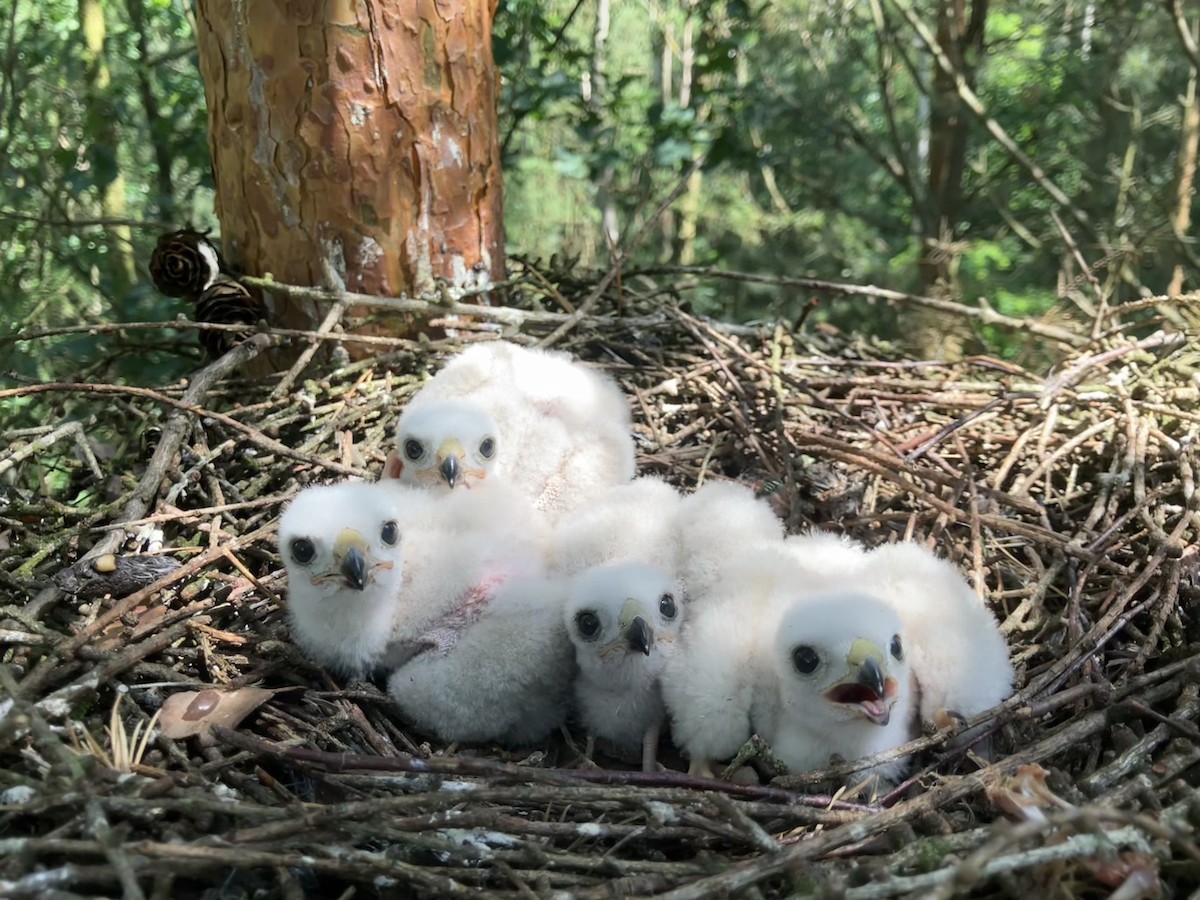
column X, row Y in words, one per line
column 666, row 605
column 805, row 660
column 413, row 449
column 897, row 648
column 589, row 625
column 302, row 550
column 390, row 533
column 487, row 448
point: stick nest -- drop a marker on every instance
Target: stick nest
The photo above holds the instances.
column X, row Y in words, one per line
column 1069, row 499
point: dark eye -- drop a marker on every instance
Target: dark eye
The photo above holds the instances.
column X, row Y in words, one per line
column 413, row 449
column 666, row 606
column 805, row 660
column 390, row 533
column 897, row 648
column 303, row 550
column 488, row 448
column 588, row 624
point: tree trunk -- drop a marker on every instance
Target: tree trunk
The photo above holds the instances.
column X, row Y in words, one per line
column 1189, row 143
column 358, row 135
column 164, row 157
column 961, row 38
column 104, row 143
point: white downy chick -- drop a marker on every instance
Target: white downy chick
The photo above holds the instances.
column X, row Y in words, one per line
column 341, row 546
column 623, row 619
column 542, row 421
column 956, row 652
column 376, row 571
column 718, row 523
column 448, row 444
column 631, row 522
column 506, row 674
column 776, row 650
column 834, row 679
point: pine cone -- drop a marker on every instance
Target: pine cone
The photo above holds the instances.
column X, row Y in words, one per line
column 184, row 263
column 227, row 302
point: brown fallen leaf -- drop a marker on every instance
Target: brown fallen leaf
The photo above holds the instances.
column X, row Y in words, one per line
column 193, row 713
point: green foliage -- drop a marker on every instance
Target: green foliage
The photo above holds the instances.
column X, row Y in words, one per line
column 815, row 119
column 61, row 258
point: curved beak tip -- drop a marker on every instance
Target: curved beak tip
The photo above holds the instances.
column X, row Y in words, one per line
column 640, row 636
column 449, row 470
column 871, row 675
column 354, row 568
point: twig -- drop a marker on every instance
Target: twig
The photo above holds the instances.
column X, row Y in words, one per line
column 982, row 313
column 168, row 445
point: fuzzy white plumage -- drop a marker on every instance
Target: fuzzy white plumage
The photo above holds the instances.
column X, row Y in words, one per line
column 378, row 571
column 504, row 676
column 718, row 523
column 635, row 521
column 623, row 619
column 824, row 649
column 340, row 544
column 540, row 420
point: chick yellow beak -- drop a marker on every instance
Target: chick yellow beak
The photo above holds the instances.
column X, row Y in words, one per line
column 350, row 555
column 867, row 686
column 450, row 456
column 634, row 626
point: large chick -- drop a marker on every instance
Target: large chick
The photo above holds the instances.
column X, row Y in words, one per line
column 540, row 420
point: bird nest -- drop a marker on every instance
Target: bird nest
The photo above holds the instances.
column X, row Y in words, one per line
column 1070, row 500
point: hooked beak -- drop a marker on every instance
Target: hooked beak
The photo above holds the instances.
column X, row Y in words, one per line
column 449, row 470
column 869, row 691
column 350, row 554
column 871, row 675
column 450, row 457
column 636, row 630
column 639, row 635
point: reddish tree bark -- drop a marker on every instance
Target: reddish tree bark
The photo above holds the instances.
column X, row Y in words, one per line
column 359, row 133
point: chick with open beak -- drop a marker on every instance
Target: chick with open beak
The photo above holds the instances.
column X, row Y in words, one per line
column 623, row 619
column 836, row 690
column 867, row 690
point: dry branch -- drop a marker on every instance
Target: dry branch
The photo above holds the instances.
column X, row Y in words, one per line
column 1069, row 496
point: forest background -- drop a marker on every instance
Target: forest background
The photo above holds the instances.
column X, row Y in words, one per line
column 1052, row 177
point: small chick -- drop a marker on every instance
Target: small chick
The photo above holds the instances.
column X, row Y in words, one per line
column 505, row 677
column 536, row 419
column 340, row 544
column 623, row 620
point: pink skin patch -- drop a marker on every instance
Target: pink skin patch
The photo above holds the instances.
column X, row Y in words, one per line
column 444, row 635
